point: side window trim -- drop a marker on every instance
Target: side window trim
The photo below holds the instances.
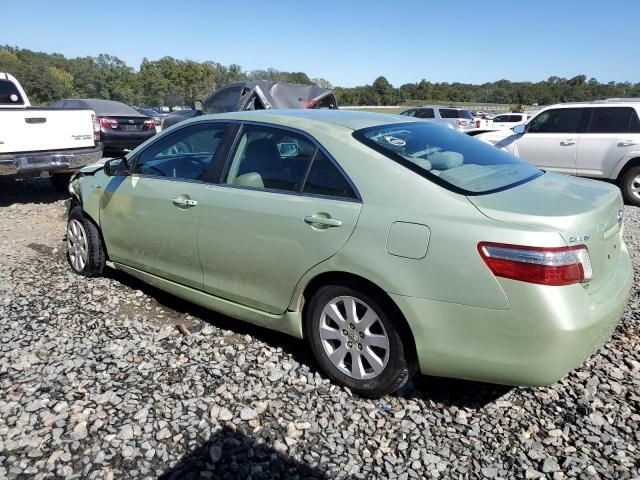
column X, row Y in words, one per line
column 208, row 175
column 233, row 145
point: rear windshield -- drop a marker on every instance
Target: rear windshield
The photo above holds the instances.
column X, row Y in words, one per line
column 9, row 94
column 455, row 113
column 454, row 160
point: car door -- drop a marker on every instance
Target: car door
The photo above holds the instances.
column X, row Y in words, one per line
column 282, row 206
column 551, row 139
column 613, row 135
column 148, row 217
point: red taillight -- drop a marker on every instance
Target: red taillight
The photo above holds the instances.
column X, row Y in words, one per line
column 462, row 123
column 96, row 128
column 477, row 123
column 150, row 124
column 107, row 122
column 545, row 266
column 310, row 104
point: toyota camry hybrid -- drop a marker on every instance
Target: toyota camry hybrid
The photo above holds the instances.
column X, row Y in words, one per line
column 390, row 245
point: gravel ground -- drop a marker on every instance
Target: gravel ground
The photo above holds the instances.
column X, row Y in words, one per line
column 97, row 381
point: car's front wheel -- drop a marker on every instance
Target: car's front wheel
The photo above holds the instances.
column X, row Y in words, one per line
column 630, row 185
column 355, row 341
column 85, row 251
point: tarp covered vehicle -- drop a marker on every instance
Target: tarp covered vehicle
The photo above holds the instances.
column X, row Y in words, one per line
column 258, row 95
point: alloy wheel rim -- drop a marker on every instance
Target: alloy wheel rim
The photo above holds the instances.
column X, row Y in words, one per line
column 77, row 245
column 635, row 186
column 354, row 338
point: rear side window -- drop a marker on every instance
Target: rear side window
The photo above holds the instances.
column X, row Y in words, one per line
column 425, row 113
column 611, row 119
column 559, row 120
column 455, row 113
column 634, row 125
column 325, row 179
column 453, row 160
column 515, row 118
column 9, row 94
column 501, row 118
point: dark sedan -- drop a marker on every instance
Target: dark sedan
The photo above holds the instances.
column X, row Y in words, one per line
column 121, row 127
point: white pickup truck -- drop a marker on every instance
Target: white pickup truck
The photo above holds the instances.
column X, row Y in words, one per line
column 44, row 142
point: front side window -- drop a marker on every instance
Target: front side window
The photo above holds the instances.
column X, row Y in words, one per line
column 451, row 159
column 224, row 101
column 186, row 154
column 559, row 120
column 634, row 124
column 455, row 113
column 501, row 118
column 408, row 113
column 9, row 94
column 610, row 119
column 515, row 118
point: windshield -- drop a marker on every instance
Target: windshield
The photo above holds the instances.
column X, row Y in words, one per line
column 451, row 159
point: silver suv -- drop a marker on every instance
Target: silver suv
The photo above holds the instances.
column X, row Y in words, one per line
column 599, row 139
column 458, row 118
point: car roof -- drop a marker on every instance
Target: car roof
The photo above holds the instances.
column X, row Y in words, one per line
column 107, row 107
column 301, row 118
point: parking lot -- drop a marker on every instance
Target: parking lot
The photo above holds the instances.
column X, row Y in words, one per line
column 99, row 382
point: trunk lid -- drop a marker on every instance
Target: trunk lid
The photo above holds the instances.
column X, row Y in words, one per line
column 582, row 211
column 131, row 124
column 41, row 129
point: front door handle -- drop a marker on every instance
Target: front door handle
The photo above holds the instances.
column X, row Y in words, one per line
column 315, row 220
column 568, row 142
column 626, row 143
column 183, row 201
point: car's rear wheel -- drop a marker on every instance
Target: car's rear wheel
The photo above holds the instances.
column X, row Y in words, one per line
column 60, row 182
column 85, row 251
column 355, row 341
column 630, row 186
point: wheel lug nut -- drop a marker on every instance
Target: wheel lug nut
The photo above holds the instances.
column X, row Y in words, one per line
column 359, row 346
column 344, row 332
column 361, row 335
column 352, row 326
column 349, row 344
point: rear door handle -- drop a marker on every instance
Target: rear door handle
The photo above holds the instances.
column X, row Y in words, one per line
column 567, row 142
column 626, row 143
column 322, row 221
column 184, row 202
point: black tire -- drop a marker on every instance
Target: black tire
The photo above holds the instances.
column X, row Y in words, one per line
column 626, row 186
column 95, row 254
column 398, row 368
column 60, row 182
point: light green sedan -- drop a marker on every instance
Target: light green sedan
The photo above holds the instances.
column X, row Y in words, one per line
column 389, row 245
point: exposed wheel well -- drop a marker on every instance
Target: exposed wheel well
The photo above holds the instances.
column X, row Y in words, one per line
column 634, row 162
column 360, row 283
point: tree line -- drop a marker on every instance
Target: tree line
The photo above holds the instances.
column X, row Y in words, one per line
column 172, row 82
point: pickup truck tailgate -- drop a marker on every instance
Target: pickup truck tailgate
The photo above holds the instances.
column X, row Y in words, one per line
column 40, row 129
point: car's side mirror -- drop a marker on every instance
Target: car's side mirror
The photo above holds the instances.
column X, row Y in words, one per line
column 116, row 167
column 197, row 105
column 520, row 129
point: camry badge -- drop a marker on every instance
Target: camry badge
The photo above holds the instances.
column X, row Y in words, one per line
column 132, row 121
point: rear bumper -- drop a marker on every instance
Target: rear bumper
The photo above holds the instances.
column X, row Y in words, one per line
column 547, row 332
column 55, row 161
column 124, row 140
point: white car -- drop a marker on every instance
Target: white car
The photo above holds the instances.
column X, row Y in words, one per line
column 598, row 139
column 459, row 119
column 44, row 142
column 508, row 120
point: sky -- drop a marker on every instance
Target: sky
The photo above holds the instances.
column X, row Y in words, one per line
column 348, row 42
